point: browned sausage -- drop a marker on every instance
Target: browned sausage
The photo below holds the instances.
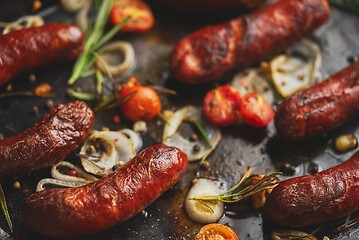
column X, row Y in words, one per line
column 212, row 5
column 113, row 199
column 320, row 108
column 317, row 198
column 50, row 140
column 212, row 51
column 24, row 50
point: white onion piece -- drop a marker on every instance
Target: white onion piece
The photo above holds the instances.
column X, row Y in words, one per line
column 116, row 148
column 81, row 17
column 187, row 146
column 134, row 137
column 73, row 5
column 298, row 69
column 203, row 211
column 251, row 80
column 126, row 49
column 140, row 126
column 85, row 177
column 174, row 121
column 124, row 147
column 55, row 182
column 23, row 22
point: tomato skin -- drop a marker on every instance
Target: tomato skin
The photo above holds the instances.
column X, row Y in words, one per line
column 215, row 231
column 221, row 105
column 141, row 15
column 143, row 105
column 256, row 111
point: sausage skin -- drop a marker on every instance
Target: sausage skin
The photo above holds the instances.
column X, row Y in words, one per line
column 320, row 108
column 212, row 5
column 316, row 198
column 26, row 49
column 207, row 54
column 66, row 213
column 50, row 140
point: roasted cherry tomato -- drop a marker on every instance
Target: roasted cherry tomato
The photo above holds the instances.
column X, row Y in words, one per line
column 221, row 105
column 255, row 110
column 216, row 231
column 143, row 105
column 141, row 15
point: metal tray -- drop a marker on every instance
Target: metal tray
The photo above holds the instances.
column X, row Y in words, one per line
column 241, row 146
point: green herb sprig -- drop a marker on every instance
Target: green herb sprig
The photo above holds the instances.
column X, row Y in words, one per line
column 4, row 208
column 347, row 5
column 94, row 40
column 229, row 197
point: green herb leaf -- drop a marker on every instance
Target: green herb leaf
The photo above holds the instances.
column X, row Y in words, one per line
column 4, row 208
column 94, row 40
column 203, row 132
column 83, row 96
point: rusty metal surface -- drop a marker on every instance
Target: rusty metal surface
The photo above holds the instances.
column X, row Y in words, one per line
column 241, row 146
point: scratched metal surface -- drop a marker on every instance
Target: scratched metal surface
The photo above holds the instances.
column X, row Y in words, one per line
column 241, row 146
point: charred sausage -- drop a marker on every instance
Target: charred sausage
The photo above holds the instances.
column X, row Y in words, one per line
column 24, row 50
column 113, row 199
column 317, row 198
column 207, row 54
column 50, row 140
column 320, row 108
column 212, row 5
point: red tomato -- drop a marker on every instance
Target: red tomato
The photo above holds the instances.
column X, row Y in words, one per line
column 216, row 231
column 221, row 105
column 143, row 105
column 141, row 15
column 256, row 111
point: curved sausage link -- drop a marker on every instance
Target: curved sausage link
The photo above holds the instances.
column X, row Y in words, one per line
column 113, row 199
column 320, row 108
column 50, row 140
column 26, row 49
column 207, row 54
column 317, row 198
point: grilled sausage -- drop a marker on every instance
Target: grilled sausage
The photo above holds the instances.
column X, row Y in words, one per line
column 24, row 50
column 207, row 54
column 320, row 108
column 316, row 198
column 212, row 5
column 50, row 140
column 113, row 199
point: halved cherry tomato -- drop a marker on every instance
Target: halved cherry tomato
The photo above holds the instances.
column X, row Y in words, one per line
column 215, row 231
column 221, row 105
column 255, row 110
column 143, row 105
column 141, row 15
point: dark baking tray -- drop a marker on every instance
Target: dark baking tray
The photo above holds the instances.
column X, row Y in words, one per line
column 241, row 146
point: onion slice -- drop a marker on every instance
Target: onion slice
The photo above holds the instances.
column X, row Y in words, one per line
column 182, row 142
column 252, row 80
column 298, row 69
column 23, row 22
column 204, row 211
column 105, row 149
column 126, row 49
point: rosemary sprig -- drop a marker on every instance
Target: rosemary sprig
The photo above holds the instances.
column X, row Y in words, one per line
column 94, row 40
column 229, row 197
column 4, row 208
column 202, row 131
column 347, row 5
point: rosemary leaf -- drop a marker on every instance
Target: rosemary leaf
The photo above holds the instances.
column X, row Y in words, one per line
column 203, row 132
column 83, row 96
column 4, row 208
column 347, row 5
